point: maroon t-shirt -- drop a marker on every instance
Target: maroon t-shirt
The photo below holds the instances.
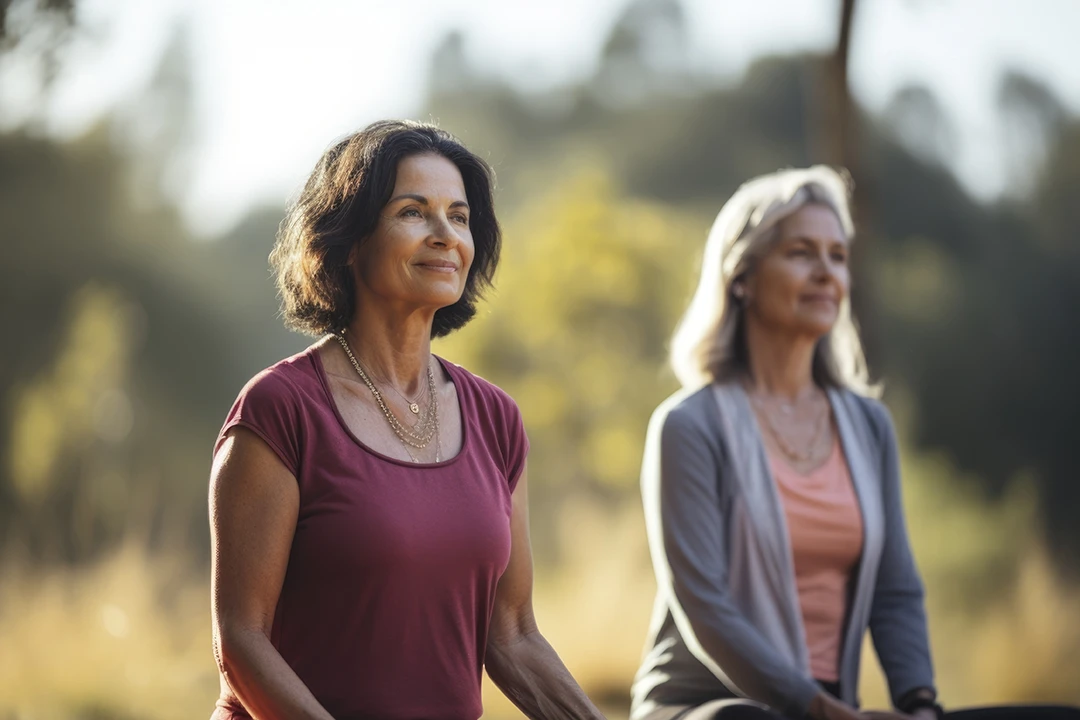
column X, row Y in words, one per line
column 388, row 594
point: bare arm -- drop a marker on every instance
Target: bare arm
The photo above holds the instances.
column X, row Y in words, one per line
column 254, row 502
column 519, row 660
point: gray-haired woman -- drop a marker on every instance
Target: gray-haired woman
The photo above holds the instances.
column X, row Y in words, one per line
column 771, row 483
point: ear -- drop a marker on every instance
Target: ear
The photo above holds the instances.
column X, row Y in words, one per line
column 750, row 286
column 741, row 287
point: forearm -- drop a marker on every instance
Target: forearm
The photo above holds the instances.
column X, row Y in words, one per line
column 898, row 622
column 261, row 679
column 530, row 673
column 899, row 628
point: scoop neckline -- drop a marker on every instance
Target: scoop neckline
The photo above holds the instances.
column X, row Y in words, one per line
column 324, row 380
column 833, row 450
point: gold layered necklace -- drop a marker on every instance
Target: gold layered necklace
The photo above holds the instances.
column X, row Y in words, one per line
column 812, row 451
column 426, row 428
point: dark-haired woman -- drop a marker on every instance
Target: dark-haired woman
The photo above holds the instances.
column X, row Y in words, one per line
column 368, row 505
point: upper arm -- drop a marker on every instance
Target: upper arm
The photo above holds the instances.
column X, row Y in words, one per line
column 897, row 612
column 897, row 559
column 254, row 500
column 687, row 502
column 512, row 616
column 682, row 507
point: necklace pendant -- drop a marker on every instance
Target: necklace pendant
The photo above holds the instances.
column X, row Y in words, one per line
column 415, row 408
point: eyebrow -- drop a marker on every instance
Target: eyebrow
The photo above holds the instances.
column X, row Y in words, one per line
column 808, row 240
column 424, row 201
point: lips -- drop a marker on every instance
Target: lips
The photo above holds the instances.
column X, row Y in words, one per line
column 438, row 265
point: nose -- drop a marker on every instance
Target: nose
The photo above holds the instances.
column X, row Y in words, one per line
column 824, row 271
column 442, row 233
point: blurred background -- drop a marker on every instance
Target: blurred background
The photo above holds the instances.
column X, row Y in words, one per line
column 147, row 150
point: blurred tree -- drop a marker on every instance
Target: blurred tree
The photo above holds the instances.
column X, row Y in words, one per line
column 839, row 129
column 37, row 28
column 450, row 72
column 1033, row 119
column 645, row 54
column 590, row 286
column 980, row 321
column 129, row 341
column 15, row 29
column 840, row 145
column 919, row 122
column 158, row 125
column 976, row 300
column 972, row 298
column 132, row 339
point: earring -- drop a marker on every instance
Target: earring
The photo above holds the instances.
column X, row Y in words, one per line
column 738, row 291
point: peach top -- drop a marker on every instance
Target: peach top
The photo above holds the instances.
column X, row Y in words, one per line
column 826, row 531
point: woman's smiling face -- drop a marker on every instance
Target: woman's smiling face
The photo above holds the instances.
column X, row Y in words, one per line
column 422, row 248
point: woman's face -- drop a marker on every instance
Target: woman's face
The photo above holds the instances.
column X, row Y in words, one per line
column 799, row 284
column 421, row 249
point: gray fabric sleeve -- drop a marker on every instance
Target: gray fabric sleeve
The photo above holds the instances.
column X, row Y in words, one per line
column 897, row 615
column 689, row 547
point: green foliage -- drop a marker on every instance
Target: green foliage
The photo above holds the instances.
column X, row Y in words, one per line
column 972, row 304
column 590, row 287
column 128, row 341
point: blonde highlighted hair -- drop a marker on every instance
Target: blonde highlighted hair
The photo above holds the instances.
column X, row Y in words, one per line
column 709, row 343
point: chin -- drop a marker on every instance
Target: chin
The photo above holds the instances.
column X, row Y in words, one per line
column 818, row 327
column 442, row 299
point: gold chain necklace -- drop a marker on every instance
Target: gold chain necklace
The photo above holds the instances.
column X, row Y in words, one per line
column 812, row 451
column 414, row 405
column 422, row 419
column 425, row 431
column 438, row 445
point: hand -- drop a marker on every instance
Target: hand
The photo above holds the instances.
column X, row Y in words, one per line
column 825, row 707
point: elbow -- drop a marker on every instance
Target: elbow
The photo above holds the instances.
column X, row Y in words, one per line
column 898, row 605
column 226, row 652
column 502, row 638
column 233, row 646
column 508, row 644
column 903, row 594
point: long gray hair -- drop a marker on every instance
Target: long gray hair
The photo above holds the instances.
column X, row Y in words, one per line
column 709, row 343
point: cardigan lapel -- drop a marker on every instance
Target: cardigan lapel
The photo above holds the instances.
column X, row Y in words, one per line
column 865, row 471
column 865, row 474
column 753, row 474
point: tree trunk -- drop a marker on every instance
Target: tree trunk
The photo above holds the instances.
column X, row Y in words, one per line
column 839, row 141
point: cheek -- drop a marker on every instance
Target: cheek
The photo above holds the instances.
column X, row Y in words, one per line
column 467, row 250
column 843, row 278
column 373, row 258
column 779, row 282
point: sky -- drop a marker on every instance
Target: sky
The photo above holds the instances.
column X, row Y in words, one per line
column 275, row 82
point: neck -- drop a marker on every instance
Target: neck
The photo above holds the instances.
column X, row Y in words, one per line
column 394, row 343
column 781, row 363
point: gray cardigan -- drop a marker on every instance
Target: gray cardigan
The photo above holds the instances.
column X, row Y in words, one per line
column 726, row 622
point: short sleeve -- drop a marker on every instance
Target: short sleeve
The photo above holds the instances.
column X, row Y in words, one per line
column 517, row 445
column 268, row 407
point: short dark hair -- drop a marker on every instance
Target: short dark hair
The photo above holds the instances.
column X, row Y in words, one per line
column 339, row 207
